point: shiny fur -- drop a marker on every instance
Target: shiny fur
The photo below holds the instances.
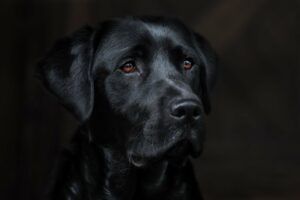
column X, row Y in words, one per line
column 134, row 141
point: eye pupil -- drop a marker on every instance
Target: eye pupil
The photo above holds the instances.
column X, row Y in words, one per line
column 128, row 67
column 187, row 64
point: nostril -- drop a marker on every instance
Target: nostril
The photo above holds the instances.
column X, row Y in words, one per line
column 185, row 109
column 179, row 112
column 196, row 113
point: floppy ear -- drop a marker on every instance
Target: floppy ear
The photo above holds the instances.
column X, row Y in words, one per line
column 66, row 72
column 208, row 69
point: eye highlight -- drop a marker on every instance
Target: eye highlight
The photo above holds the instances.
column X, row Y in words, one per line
column 188, row 63
column 128, row 67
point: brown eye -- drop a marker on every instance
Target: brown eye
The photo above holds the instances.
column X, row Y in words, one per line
column 128, row 67
column 188, row 64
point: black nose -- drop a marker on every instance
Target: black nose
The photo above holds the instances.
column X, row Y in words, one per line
column 185, row 109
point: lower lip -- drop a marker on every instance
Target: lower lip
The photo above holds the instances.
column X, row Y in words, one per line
column 137, row 162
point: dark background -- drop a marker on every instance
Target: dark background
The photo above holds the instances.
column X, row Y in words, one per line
column 253, row 141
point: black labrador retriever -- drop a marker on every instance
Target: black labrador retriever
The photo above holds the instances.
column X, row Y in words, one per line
column 140, row 87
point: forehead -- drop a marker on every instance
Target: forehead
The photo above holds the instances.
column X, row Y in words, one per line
column 127, row 34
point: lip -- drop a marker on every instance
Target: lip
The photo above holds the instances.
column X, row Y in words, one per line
column 177, row 154
column 138, row 161
column 179, row 150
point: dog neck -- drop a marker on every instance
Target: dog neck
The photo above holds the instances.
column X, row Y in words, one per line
column 160, row 180
column 95, row 171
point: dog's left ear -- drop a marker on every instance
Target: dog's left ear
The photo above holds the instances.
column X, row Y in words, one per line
column 208, row 69
column 66, row 72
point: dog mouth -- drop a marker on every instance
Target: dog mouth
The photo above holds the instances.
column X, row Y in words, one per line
column 138, row 161
column 179, row 150
column 177, row 154
column 175, row 144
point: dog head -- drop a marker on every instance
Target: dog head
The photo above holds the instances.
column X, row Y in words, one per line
column 149, row 76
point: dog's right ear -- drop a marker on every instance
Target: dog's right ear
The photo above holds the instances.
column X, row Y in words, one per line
column 66, row 72
column 209, row 69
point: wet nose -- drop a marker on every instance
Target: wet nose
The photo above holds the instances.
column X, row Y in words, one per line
column 185, row 109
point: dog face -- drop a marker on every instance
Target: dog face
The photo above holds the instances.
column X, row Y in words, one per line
column 153, row 73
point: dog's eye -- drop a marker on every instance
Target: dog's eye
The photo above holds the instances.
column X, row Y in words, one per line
column 128, row 67
column 188, row 63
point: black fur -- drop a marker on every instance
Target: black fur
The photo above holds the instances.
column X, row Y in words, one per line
column 139, row 128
